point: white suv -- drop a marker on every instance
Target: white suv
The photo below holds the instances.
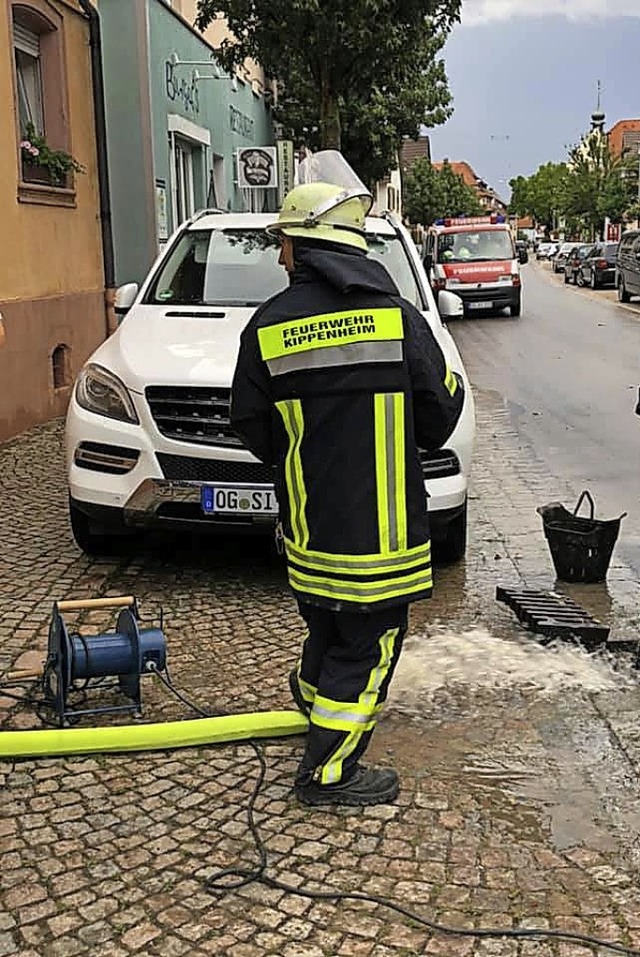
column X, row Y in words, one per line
column 148, row 439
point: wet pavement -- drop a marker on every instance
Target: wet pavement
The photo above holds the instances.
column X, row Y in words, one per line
column 568, row 371
column 519, row 804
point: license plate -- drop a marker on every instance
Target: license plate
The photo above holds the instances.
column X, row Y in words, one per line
column 480, row 305
column 238, row 500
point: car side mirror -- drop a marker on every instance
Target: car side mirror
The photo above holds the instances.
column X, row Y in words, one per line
column 450, row 306
column 125, row 298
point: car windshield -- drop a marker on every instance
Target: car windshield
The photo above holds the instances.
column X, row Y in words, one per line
column 239, row 267
column 478, row 246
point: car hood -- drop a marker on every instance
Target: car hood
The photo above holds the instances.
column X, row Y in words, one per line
column 155, row 345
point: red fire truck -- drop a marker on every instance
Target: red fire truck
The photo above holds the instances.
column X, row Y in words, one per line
column 475, row 257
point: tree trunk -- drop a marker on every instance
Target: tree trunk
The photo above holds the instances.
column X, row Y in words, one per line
column 330, row 131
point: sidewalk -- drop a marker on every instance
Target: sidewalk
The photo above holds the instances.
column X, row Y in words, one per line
column 519, row 765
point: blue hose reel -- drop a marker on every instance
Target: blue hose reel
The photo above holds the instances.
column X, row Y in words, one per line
column 77, row 663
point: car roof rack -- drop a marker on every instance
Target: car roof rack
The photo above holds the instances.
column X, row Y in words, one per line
column 390, row 217
column 210, row 211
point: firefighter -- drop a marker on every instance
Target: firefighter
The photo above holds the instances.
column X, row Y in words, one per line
column 339, row 380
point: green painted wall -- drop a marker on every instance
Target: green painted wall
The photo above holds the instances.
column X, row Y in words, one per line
column 142, row 90
column 123, row 54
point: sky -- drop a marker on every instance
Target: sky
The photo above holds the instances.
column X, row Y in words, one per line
column 524, row 80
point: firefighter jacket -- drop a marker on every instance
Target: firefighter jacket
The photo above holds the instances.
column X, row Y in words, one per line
column 339, row 381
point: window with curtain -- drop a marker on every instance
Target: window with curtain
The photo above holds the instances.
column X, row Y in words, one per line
column 26, row 45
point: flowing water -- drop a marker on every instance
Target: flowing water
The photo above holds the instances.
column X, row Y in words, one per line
column 477, row 661
column 517, row 723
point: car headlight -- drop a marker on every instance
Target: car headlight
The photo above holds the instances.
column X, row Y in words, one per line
column 102, row 392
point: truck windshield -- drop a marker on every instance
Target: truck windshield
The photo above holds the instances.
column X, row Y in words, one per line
column 239, row 267
column 475, row 246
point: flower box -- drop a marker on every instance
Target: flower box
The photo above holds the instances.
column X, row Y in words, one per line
column 34, row 173
column 46, row 166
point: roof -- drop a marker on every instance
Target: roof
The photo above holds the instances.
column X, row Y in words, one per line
column 623, row 135
column 463, row 169
column 413, row 150
column 211, row 220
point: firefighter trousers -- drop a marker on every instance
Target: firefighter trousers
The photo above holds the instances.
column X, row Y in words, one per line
column 347, row 663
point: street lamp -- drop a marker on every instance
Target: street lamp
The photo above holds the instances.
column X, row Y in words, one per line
column 175, row 61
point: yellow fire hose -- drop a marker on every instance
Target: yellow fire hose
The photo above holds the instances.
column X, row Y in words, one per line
column 151, row 737
column 161, row 736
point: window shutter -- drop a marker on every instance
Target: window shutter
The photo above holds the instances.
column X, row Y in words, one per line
column 26, row 40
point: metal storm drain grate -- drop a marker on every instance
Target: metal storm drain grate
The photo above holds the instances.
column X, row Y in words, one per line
column 553, row 616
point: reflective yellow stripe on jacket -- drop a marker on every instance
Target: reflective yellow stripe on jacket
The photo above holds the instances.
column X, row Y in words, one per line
column 381, row 563
column 450, row 382
column 343, row 589
column 390, row 471
column 325, row 331
column 291, row 412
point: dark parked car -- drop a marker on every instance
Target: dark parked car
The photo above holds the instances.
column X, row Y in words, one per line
column 599, row 267
column 573, row 264
column 628, row 266
column 522, row 251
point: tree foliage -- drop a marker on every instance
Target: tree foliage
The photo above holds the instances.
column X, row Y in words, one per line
column 594, row 184
column 430, row 193
column 541, row 195
column 356, row 76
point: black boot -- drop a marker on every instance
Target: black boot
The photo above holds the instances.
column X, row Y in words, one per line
column 296, row 694
column 366, row 787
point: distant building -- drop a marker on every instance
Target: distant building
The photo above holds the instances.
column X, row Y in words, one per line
column 413, row 150
column 624, row 137
column 487, row 196
column 53, row 310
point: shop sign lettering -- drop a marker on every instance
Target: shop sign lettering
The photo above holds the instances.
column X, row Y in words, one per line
column 181, row 88
column 240, row 122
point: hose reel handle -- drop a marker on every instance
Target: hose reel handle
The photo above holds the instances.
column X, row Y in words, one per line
column 123, row 601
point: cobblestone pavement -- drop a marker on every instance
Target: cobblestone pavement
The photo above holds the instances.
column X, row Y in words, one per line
column 519, row 802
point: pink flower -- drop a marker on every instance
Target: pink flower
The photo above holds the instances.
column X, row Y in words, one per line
column 25, row 145
column 34, row 151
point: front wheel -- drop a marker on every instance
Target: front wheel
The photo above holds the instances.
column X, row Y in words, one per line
column 623, row 295
column 91, row 540
column 454, row 546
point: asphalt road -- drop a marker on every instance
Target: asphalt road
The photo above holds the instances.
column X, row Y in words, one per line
column 568, row 372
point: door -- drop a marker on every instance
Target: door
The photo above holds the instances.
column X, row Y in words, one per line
column 588, row 265
column 183, row 180
column 632, row 270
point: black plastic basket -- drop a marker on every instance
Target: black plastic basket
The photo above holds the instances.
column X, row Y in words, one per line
column 581, row 548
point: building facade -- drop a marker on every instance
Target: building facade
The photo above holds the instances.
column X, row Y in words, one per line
column 215, row 33
column 52, row 303
column 487, row 197
column 175, row 122
column 624, row 138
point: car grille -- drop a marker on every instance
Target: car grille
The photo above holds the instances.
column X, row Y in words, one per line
column 440, row 464
column 189, row 469
column 198, row 415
